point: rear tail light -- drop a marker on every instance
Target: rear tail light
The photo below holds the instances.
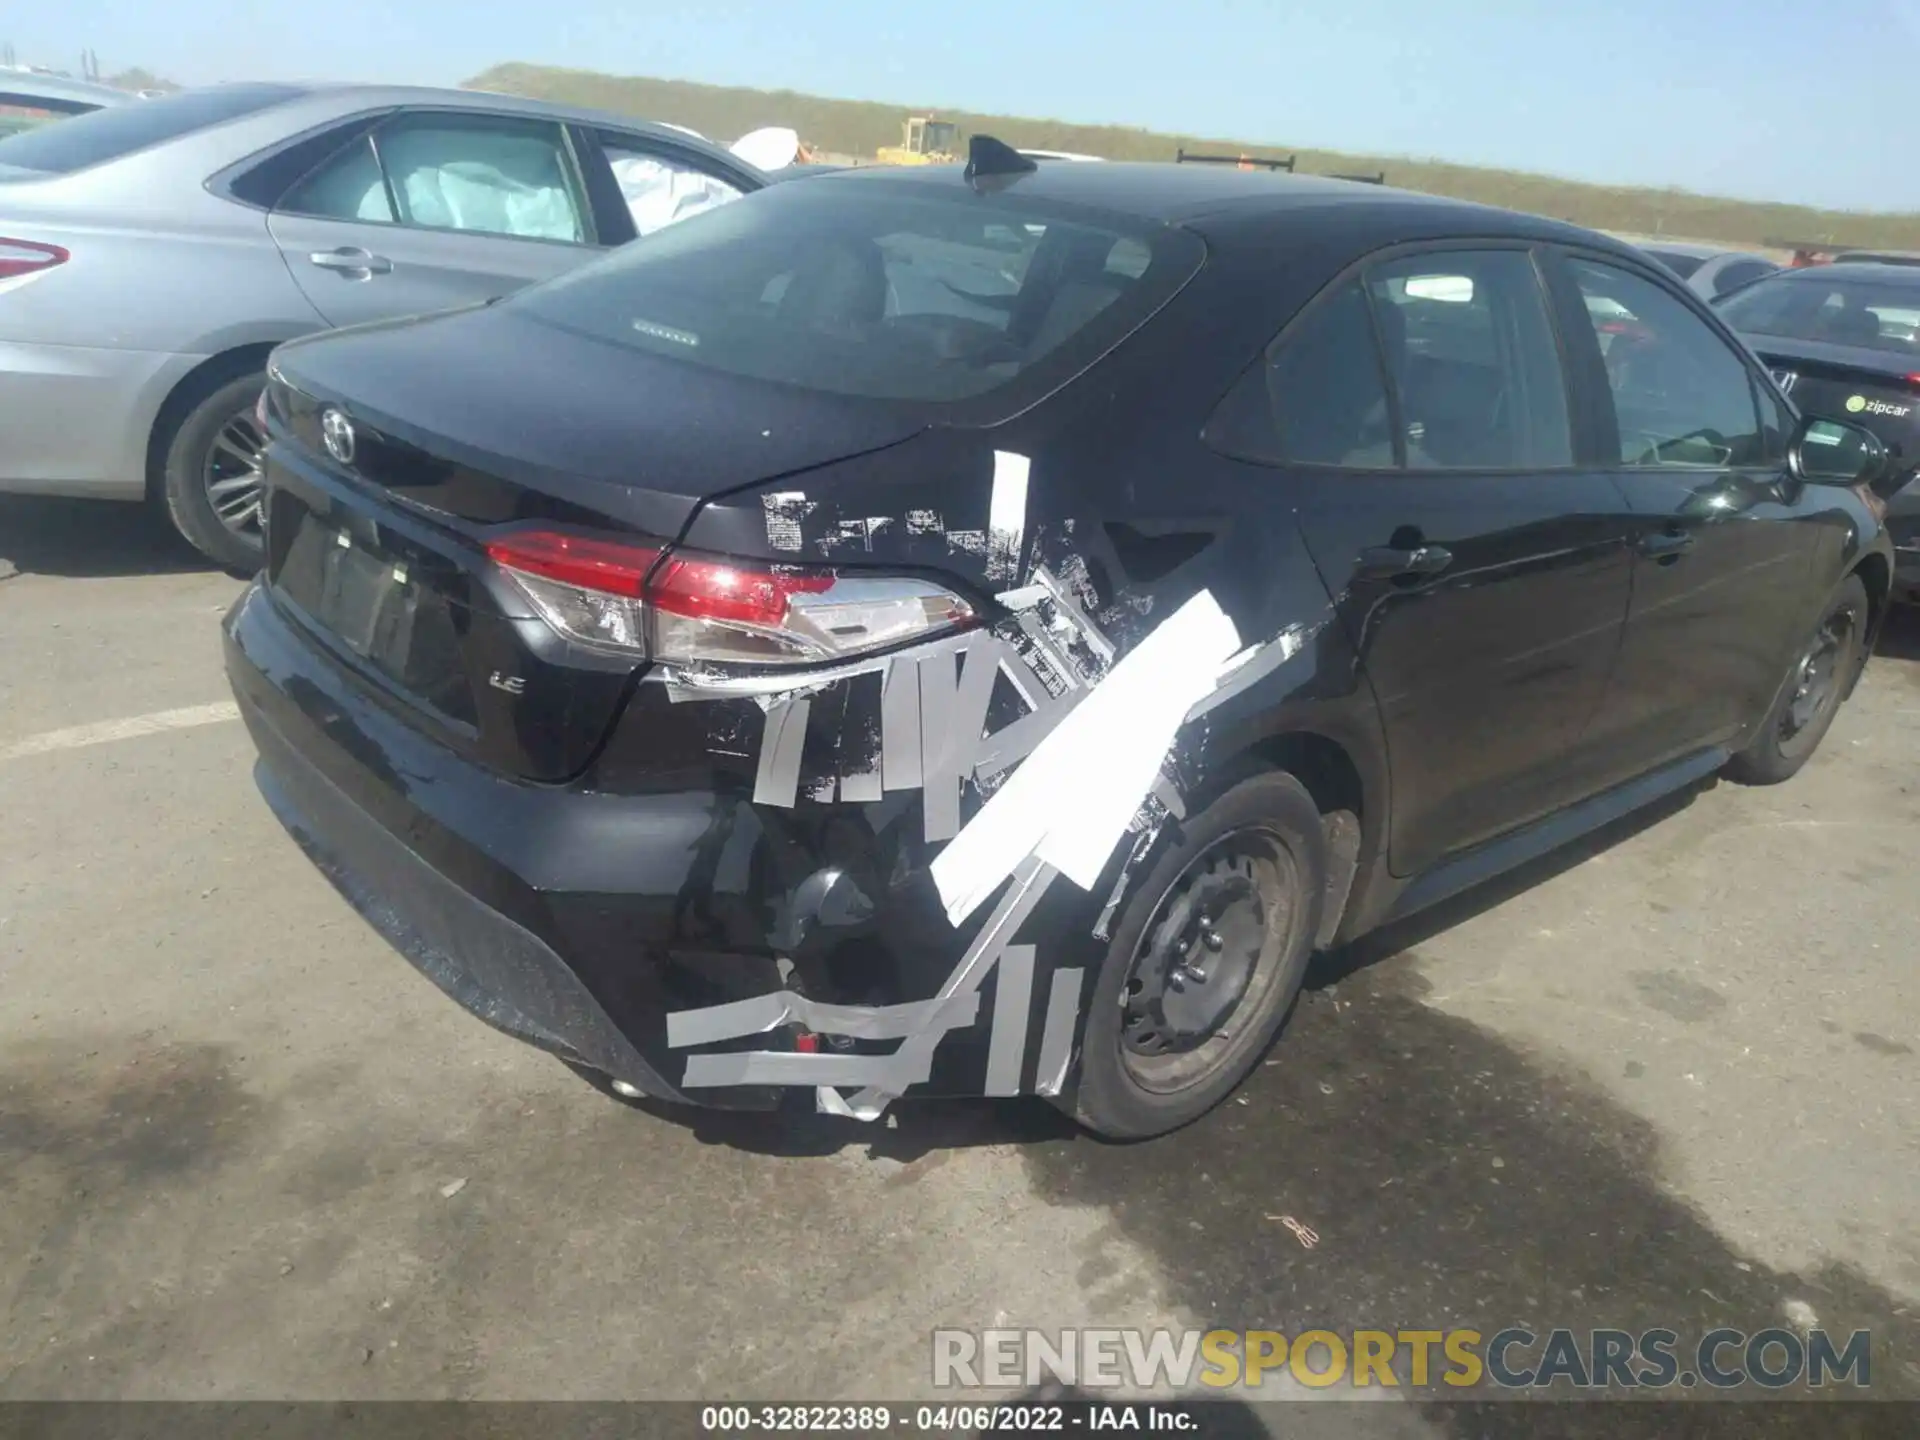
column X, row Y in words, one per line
column 622, row 595
column 25, row 257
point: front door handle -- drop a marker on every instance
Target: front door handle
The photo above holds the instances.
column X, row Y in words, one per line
column 1666, row 544
column 1395, row 561
column 352, row 260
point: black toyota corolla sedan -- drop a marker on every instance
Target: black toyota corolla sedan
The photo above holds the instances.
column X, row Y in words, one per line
column 977, row 630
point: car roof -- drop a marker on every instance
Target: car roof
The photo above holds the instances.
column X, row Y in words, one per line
column 32, row 85
column 373, row 96
column 1203, row 197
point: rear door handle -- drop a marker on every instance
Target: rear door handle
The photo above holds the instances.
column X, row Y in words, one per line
column 351, row 259
column 1393, row 561
column 1666, row 544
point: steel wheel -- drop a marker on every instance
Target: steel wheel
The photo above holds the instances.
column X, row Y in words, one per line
column 1210, row 954
column 1818, row 681
column 232, row 476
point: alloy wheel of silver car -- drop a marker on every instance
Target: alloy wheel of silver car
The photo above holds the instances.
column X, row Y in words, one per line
column 232, row 475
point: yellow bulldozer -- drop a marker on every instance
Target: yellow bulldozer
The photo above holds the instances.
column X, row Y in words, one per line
column 925, row 141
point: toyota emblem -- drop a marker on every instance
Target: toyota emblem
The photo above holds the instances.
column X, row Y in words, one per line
column 336, row 432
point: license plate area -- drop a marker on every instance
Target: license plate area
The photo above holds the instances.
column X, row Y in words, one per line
column 387, row 610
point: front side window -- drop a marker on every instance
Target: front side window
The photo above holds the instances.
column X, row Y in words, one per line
column 660, row 189
column 1682, row 396
column 1473, row 355
column 881, row 290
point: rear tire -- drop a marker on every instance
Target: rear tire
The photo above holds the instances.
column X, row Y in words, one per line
column 1822, row 673
column 210, row 477
column 1236, row 903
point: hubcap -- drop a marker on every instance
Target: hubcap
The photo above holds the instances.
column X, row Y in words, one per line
column 232, row 475
column 1817, row 678
column 1207, row 959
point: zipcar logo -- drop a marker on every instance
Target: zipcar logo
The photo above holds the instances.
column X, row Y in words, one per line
column 336, row 433
column 1860, row 405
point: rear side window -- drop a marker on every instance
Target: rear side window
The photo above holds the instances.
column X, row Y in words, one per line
column 1470, row 348
column 1681, row 395
column 1454, row 347
column 1327, row 391
column 349, row 187
column 494, row 174
column 879, row 288
column 117, row 130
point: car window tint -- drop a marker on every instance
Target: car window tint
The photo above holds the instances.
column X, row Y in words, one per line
column 659, row 187
column 347, row 187
column 107, row 134
column 18, row 115
column 894, row 292
column 1736, row 273
column 1326, row 389
column 483, row 173
column 1470, row 347
column 1681, row 395
column 1681, row 264
column 1834, row 308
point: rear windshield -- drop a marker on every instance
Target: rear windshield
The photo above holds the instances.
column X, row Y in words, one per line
column 1680, row 264
column 917, row 292
column 1869, row 314
column 102, row 135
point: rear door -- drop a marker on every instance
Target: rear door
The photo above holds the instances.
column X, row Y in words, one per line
column 432, row 210
column 1479, row 566
column 1722, row 560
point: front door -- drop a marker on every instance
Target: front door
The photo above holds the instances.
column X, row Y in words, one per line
column 434, row 210
column 1722, row 562
column 1479, row 566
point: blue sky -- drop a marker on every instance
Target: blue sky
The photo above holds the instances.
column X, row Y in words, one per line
column 1769, row 99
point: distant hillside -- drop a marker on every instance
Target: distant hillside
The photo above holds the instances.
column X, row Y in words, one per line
column 859, row 127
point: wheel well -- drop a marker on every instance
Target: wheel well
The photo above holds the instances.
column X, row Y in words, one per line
column 1877, row 576
column 193, row 387
column 1321, row 765
column 1333, row 781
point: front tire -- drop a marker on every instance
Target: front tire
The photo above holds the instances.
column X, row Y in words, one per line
column 1205, row 962
column 1821, row 676
column 211, row 480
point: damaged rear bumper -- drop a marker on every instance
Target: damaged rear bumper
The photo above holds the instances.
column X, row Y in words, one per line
column 521, row 902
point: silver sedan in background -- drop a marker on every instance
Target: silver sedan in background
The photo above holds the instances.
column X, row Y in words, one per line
column 1710, row 271
column 32, row 97
column 153, row 254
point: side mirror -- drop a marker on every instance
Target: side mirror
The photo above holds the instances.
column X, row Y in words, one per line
column 1832, row 452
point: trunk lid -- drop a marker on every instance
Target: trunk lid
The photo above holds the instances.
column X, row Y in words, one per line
column 1872, row 389
column 465, row 422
